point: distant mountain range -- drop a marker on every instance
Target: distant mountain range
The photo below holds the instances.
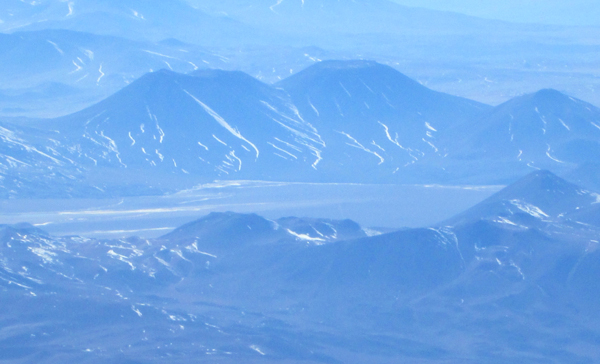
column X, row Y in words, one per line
column 239, row 287
column 39, row 68
column 146, row 20
column 271, row 39
column 168, row 130
column 237, row 22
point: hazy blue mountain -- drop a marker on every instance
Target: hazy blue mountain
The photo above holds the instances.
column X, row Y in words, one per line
column 309, row 20
column 321, row 124
column 544, row 129
column 461, row 52
column 88, row 59
column 140, row 20
column 213, row 124
column 388, row 119
column 577, row 13
column 96, row 66
column 208, row 124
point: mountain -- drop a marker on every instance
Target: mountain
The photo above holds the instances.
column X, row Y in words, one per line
column 540, row 197
column 210, row 124
column 93, row 65
column 96, row 66
column 243, row 230
column 308, row 21
column 243, row 288
column 387, row 118
column 229, row 226
column 252, row 289
column 139, row 20
column 576, row 13
column 546, row 129
column 213, row 124
column 169, row 130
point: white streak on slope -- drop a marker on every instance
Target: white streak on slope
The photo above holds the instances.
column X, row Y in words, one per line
column 56, row 47
column 430, row 127
column 360, row 146
column 222, row 122
column 101, row 74
column 550, row 156
column 346, row 90
column 530, row 209
column 232, row 154
column 564, row 124
column 285, row 151
column 313, row 107
column 159, row 54
column 219, row 140
column 304, row 236
column 272, row 7
column 79, row 68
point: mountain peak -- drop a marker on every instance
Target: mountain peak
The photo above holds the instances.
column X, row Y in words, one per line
column 550, row 98
column 542, row 179
column 540, row 194
column 344, row 70
column 541, row 186
column 548, row 93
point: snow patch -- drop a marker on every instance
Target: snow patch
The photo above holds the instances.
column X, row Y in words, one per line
column 56, row 47
column 361, row 147
column 529, row 209
column 305, row 237
column 223, row 123
column 428, row 126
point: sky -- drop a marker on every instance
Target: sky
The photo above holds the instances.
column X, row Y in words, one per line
column 561, row 12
